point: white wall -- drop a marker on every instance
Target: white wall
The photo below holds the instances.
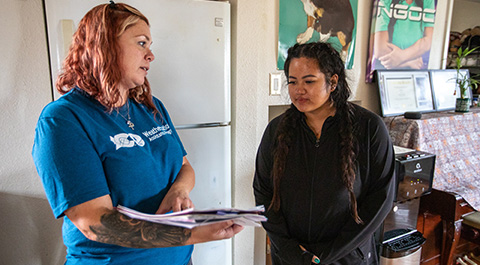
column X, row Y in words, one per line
column 465, row 15
column 29, row 233
column 25, row 89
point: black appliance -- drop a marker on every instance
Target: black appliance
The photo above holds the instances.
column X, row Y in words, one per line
column 414, row 171
column 401, row 243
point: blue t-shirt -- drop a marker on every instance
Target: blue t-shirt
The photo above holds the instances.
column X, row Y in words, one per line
column 83, row 152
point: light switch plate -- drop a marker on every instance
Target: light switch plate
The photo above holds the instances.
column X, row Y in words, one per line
column 275, row 83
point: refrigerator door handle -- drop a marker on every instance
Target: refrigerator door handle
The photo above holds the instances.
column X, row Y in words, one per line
column 202, row 125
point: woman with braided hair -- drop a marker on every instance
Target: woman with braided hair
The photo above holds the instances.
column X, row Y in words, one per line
column 324, row 168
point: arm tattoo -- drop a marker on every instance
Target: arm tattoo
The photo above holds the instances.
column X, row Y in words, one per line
column 119, row 229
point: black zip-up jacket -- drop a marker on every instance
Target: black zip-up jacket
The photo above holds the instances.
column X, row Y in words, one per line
column 315, row 207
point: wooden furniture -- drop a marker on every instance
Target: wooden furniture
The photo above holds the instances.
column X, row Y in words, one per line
column 471, row 227
column 440, row 221
column 455, row 140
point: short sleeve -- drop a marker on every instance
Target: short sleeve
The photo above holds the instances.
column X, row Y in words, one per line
column 382, row 19
column 429, row 10
column 69, row 167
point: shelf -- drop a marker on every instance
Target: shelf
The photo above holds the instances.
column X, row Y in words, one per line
column 472, row 61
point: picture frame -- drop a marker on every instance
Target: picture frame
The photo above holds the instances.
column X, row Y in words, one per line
column 404, row 90
column 444, row 88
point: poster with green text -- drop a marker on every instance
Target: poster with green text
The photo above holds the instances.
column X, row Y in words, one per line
column 401, row 35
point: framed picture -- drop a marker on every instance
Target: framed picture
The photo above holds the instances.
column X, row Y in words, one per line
column 401, row 91
column 445, row 89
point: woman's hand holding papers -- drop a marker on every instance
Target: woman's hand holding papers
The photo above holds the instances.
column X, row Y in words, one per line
column 215, row 231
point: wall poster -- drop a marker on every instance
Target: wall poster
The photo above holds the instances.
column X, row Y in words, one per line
column 400, row 35
column 332, row 21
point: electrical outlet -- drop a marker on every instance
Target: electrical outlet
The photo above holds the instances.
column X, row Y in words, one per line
column 275, row 84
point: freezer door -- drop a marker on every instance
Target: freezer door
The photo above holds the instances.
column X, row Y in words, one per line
column 208, row 150
column 191, row 72
column 191, row 44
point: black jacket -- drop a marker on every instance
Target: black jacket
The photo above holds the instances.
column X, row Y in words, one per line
column 315, row 207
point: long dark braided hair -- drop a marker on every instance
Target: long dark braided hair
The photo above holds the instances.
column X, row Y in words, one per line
column 330, row 63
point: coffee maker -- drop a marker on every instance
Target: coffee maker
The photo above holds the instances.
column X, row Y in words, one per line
column 401, row 243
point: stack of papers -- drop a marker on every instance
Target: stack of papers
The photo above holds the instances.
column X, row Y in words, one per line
column 191, row 218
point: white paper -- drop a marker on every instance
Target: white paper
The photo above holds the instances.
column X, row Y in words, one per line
column 191, row 218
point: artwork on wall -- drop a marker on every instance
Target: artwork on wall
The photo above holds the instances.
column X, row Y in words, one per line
column 332, row 21
column 401, row 35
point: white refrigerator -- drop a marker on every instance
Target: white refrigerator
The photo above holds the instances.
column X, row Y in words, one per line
column 191, row 76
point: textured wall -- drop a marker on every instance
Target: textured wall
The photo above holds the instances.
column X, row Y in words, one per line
column 465, row 15
column 29, row 234
column 25, row 89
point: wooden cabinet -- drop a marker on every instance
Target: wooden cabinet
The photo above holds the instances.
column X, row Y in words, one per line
column 440, row 222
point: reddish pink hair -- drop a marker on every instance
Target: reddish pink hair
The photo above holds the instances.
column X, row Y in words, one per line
column 92, row 60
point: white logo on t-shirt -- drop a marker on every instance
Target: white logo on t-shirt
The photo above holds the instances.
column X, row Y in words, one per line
column 126, row 140
column 157, row 132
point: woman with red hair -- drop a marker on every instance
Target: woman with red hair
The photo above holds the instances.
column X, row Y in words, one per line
column 107, row 141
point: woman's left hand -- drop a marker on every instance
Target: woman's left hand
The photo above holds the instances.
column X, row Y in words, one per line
column 175, row 200
column 178, row 198
column 315, row 259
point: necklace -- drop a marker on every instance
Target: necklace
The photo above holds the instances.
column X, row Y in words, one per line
column 129, row 122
